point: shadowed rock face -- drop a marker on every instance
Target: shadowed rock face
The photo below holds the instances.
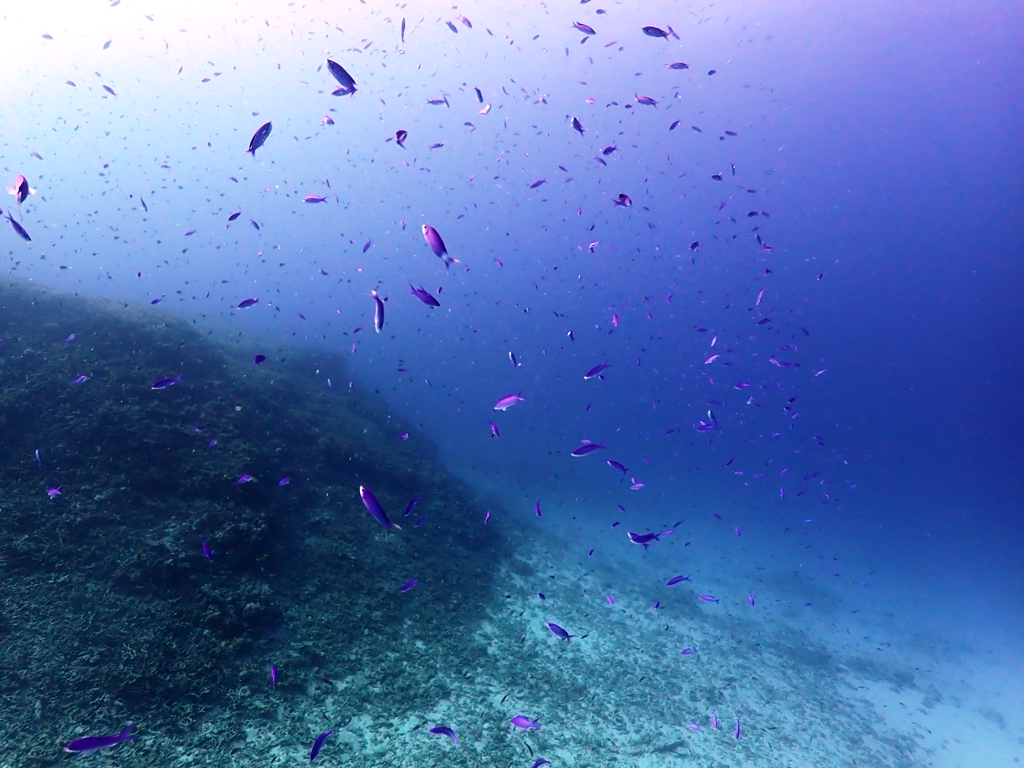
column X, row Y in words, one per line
column 110, row 608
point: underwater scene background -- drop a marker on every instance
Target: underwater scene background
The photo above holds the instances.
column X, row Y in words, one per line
column 511, row 384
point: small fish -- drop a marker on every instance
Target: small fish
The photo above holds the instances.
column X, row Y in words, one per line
column 676, row 580
column 424, row 296
column 539, row 762
column 751, row 599
column 344, row 79
column 374, row 508
column 39, row 459
column 466, row 22
column 400, row 137
column 644, row 539
column 409, row 585
column 444, row 730
column 507, row 402
column 243, row 479
column 584, row 28
column 273, row 677
column 106, row 45
column 234, row 215
column 258, row 359
column 494, row 429
column 410, row 505
column 714, row 719
column 81, row 380
column 378, row 312
column 479, row 95
column 537, row 183
column 246, row 303
column 677, row 65
column 587, row 448
column 166, row 382
column 624, row 200
column 327, row 120
column 89, row 744
column 54, row 492
column 283, row 482
column 452, row 27
column 485, row 109
column 695, row 128
column 595, row 372
column 655, row 32
column 711, row 72
column 688, row 651
column 522, row 721
column 710, row 599
column 645, row 100
column 18, row 229
column 259, row 137
column 536, row 508
column 207, row 552
column 737, row 732
column 255, row 224
column 578, row 126
column 433, row 238
column 367, row 244
column 314, row 199
column 616, row 465
column 403, row 30
column 610, row 600
column 109, row 90
column 487, row 517
column 560, row 632
column 318, row 744
column 512, row 359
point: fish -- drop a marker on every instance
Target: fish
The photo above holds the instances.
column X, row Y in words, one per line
column 378, row 312
column 587, row 448
column 679, row 65
column 245, row 303
column 20, row 190
column 485, row 109
column 367, row 244
column 676, row 580
column 536, row 508
column 711, row 72
column 88, row 744
column 258, row 359
column 522, row 721
column 39, row 459
column 327, row 120
column 479, row 95
column 234, row 215
column 374, row 508
column 608, row 150
column 710, row 599
column 675, row 124
column 644, row 539
column 539, row 762
column 400, row 137
column 452, row 27
column 507, row 402
column 537, row 183
column 18, row 229
column 344, row 78
column 595, row 372
column 166, row 382
column 410, row 505
column 584, row 28
column 107, row 44
column 737, row 732
column 437, row 245
column 259, row 137
column 645, row 100
column 714, row 719
column 403, row 30
column 54, row 492
column 283, row 482
column 314, row 199
column 559, row 631
column 751, row 599
column 616, row 465
column 466, row 22
column 578, row 126
column 410, row 585
column 624, row 200
column 444, row 730
column 494, row 429
column 207, row 552
column 273, row 677
column 655, row 32
column 424, row 296
column 243, row 479
column 109, row 90
column 696, row 128
column 318, row 744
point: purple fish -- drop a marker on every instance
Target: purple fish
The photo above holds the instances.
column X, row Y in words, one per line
column 609, row 599
column 710, row 599
column 367, row 244
column 420, row 522
column 751, row 599
column 54, row 492
column 283, row 482
column 437, row 244
column 89, row 744
column 584, row 28
column 645, row 100
column 207, row 552
column 507, row 402
column 714, row 719
column 536, row 508
column 693, row 726
column 18, row 229
column 655, row 32
column 258, row 359
column 244, row 303
column 522, row 721
column 616, row 465
column 409, row 585
column 410, row 505
column 166, row 382
column 374, row 508
column 345, row 80
column 273, row 677
column 400, row 137
column 378, row 312
column 678, row 65
column 234, row 215
column 444, row 730
column 424, row 296
column 243, row 479
column 314, row 199
column 688, row 651
column 81, row 380
column 643, row 539
column 487, row 517
column 559, row 631
column 736, row 733
column 595, row 371
column 537, row 183
column 539, row 762
column 578, row 126
column 676, row 580
column 258, row 138
column 494, row 429
column 318, row 744
column 587, row 448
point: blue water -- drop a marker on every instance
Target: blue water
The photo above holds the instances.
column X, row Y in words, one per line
column 856, row 269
